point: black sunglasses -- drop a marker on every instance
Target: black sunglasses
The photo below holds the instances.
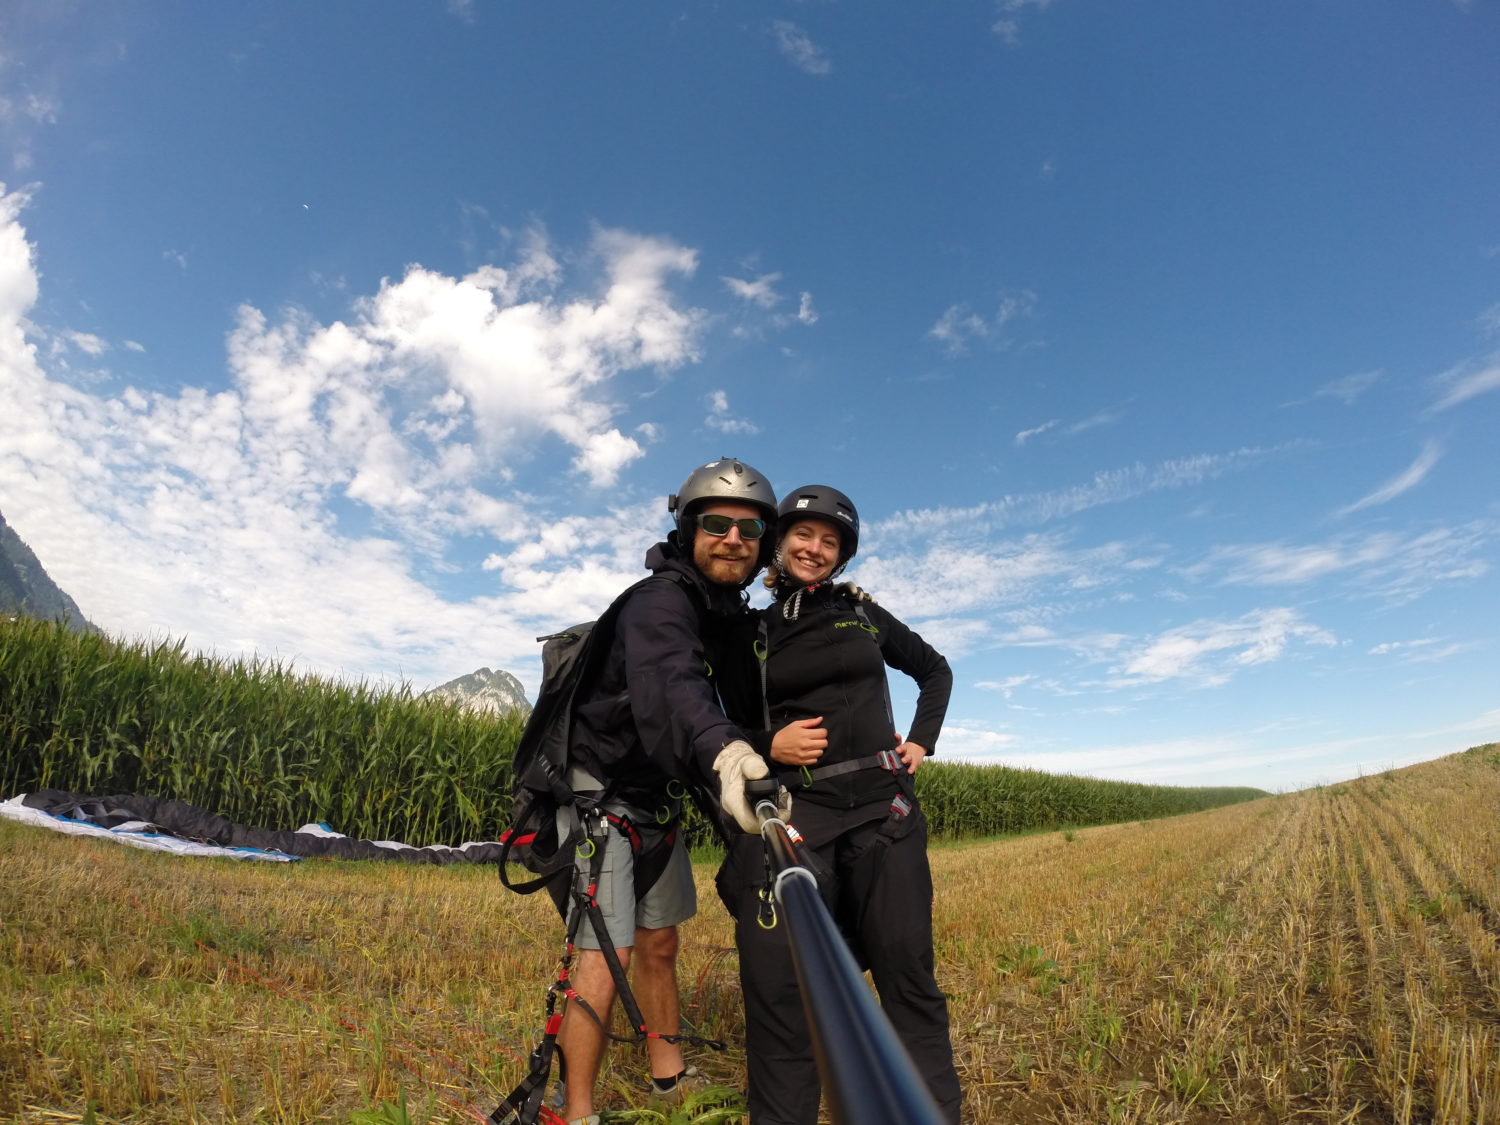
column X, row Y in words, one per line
column 717, row 524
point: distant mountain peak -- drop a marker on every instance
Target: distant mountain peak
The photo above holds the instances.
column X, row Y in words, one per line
column 26, row 588
column 484, row 690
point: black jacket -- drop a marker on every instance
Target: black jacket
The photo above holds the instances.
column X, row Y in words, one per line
column 828, row 662
column 654, row 714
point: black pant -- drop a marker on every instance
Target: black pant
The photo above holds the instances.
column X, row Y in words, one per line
column 881, row 895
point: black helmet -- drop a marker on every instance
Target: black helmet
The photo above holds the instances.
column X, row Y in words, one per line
column 731, row 481
column 826, row 503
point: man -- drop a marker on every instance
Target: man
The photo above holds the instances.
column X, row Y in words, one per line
column 646, row 733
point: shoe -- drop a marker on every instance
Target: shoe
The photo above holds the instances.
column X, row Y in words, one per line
column 690, row 1081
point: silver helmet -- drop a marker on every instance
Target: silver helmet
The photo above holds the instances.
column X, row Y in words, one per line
column 729, row 480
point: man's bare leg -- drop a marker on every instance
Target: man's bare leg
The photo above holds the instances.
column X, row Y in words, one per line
column 654, row 983
column 581, row 1039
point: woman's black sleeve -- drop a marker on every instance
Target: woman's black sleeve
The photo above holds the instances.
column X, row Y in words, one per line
column 907, row 652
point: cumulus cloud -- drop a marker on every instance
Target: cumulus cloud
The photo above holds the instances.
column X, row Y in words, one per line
column 291, row 512
column 798, row 49
column 1404, row 481
column 805, row 311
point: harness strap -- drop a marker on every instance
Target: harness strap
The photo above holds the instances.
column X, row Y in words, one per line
column 887, row 760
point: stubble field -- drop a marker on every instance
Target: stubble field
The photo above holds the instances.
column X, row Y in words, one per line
column 1326, row 956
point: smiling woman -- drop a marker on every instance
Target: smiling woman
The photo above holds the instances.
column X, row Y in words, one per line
column 828, row 732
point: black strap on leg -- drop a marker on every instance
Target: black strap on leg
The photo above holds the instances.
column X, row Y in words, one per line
column 524, row 1104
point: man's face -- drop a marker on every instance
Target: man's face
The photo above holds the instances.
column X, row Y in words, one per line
column 726, row 560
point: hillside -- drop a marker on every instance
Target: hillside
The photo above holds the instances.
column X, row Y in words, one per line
column 1325, row 956
column 25, row 586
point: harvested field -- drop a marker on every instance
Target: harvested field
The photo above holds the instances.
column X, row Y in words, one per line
column 1326, row 956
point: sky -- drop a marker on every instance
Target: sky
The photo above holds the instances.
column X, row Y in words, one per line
column 1157, row 343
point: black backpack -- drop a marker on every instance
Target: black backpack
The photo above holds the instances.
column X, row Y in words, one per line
column 572, row 662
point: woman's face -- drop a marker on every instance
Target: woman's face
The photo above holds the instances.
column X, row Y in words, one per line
column 810, row 551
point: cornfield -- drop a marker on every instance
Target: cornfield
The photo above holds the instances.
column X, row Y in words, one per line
column 248, row 740
column 260, row 745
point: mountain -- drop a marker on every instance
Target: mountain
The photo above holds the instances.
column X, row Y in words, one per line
column 25, row 587
column 496, row 692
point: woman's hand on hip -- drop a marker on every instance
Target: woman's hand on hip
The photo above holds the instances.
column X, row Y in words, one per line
column 912, row 754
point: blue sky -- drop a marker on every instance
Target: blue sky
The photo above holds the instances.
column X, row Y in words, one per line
column 1157, row 343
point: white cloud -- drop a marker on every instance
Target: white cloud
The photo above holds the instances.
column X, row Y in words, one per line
column 1465, row 381
column 799, row 50
column 967, row 740
column 1026, row 435
column 1348, row 389
column 87, row 343
column 1209, row 651
column 1109, row 487
column 288, row 514
column 960, row 325
column 761, row 291
column 1403, row 481
column 1072, row 429
column 720, row 419
column 1382, row 564
column 956, row 327
column 1008, row 25
column 805, row 311
column 1007, row 686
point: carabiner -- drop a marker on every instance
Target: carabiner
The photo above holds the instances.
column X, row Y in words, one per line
column 765, row 916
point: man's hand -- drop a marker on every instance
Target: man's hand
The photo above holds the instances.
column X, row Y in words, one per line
column 912, row 755
column 736, row 764
column 800, row 743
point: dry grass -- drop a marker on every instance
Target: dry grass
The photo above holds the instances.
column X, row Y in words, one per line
column 1329, row 956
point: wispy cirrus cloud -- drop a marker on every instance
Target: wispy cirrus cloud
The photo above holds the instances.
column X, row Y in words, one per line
column 1385, row 564
column 797, row 47
column 1404, row 481
column 1347, row 389
column 1423, row 650
column 1465, row 381
column 1112, row 486
column 1071, row 429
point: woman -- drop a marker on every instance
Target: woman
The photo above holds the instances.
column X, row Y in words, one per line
column 829, row 737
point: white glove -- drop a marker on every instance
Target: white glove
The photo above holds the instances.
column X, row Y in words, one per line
column 736, row 764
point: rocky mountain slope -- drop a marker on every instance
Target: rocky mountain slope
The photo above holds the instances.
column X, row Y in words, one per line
column 25, row 587
column 484, row 690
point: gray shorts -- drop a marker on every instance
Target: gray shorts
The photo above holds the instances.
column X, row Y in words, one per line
column 671, row 900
